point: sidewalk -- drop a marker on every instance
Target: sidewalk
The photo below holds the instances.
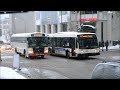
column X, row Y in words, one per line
column 9, row 73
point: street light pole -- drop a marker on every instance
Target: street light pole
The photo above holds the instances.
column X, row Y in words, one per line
column 61, row 21
column 13, row 24
column 80, row 19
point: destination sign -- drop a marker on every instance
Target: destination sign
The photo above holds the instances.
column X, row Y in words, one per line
column 86, row 36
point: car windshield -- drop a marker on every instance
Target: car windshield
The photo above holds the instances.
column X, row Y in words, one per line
column 37, row 41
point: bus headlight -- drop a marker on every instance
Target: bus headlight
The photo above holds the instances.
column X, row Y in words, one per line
column 78, row 51
column 46, row 50
column 30, row 50
column 97, row 50
column 82, row 52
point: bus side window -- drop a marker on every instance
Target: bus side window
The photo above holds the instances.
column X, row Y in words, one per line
column 48, row 40
column 67, row 42
column 67, row 45
column 72, row 42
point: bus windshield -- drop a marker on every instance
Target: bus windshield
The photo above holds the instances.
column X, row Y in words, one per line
column 37, row 41
column 88, row 43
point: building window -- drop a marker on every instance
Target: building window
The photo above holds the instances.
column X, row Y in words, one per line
column 88, row 12
column 43, row 28
column 37, row 15
column 49, row 29
column 38, row 28
column 56, row 28
column 73, row 12
column 64, row 27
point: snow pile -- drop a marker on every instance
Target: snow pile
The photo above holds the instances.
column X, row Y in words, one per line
column 8, row 73
column 112, row 47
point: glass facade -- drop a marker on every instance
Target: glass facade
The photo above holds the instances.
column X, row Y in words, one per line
column 49, row 17
column 62, row 13
column 88, row 12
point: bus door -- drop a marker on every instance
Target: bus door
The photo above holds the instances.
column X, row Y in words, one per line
column 72, row 45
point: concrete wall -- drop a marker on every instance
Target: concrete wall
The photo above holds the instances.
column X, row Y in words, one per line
column 24, row 22
column 116, row 27
column 111, row 26
column 49, row 17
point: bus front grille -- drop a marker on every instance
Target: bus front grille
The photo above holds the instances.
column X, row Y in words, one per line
column 40, row 50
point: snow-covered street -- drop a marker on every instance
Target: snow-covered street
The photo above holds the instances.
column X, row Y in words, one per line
column 54, row 67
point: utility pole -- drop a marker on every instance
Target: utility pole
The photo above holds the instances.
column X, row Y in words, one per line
column 102, row 34
column 80, row 19
column 13, row 23
column 70, row 20
column 61, row 21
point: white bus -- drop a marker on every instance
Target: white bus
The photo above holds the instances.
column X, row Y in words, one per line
column 30, row 44
column 73, row 44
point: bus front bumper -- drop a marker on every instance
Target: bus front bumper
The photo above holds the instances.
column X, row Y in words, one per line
column 40, row 54
column 90, row 54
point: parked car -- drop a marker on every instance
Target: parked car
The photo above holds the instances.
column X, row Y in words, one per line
column 107, row 70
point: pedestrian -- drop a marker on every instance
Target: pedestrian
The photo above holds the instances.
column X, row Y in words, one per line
column 107, row 44
column 99, row 44
column 103, row 43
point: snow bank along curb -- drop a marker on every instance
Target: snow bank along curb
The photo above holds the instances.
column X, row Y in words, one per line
column 112, row 47
column 8, row 73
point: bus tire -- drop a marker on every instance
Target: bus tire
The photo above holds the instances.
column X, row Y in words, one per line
column 42, row 56
column 67, row 54
column 80, row 57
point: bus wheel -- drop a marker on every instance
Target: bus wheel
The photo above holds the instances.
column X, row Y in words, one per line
column 86, row 56
column 80, row 57
column 67, row 54
column 42, row 56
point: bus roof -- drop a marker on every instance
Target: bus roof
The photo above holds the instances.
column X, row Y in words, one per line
column 24, row 34
column 67, row 34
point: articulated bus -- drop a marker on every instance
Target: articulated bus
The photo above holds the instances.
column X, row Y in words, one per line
column 73, row 44
column 30, row 44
